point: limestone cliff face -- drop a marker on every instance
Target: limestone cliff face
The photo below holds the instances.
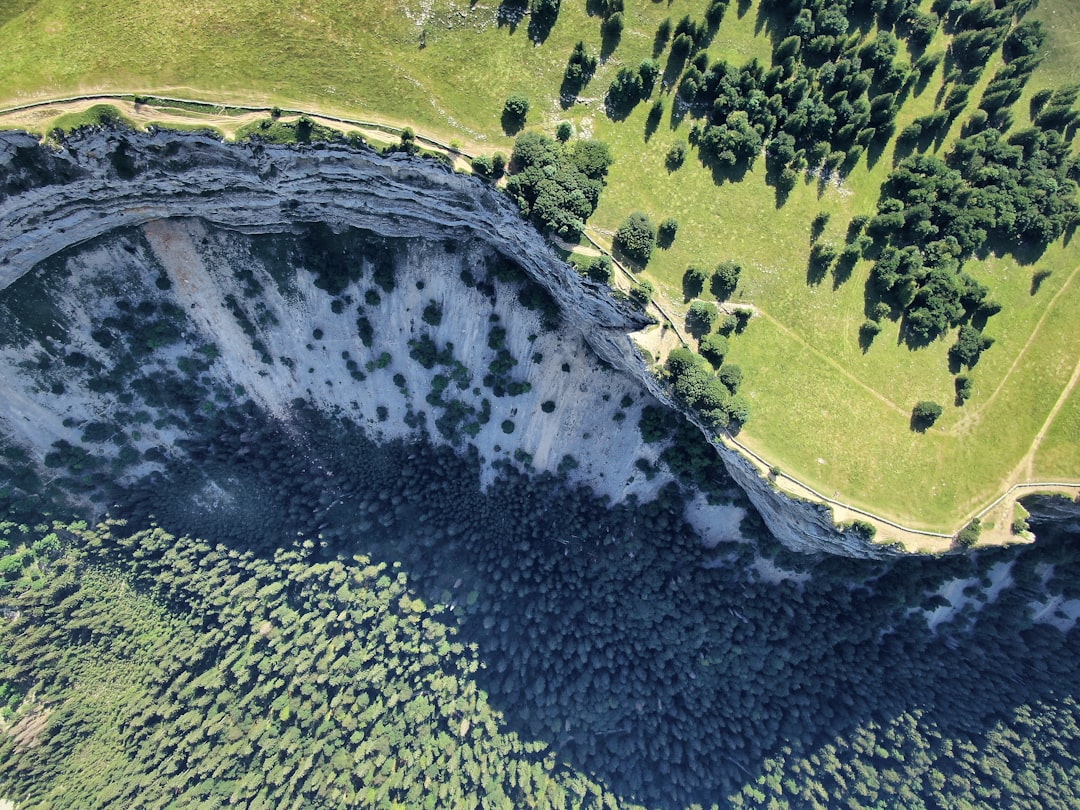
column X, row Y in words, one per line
column 108, row 182
column 1062, row 513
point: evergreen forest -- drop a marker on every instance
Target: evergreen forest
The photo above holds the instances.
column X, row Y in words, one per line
column 361, row 625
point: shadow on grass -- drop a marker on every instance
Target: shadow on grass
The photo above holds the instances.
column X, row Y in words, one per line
column 652, row 121
column 866, row 338
column 842, row 270
column 512, row 124
column 511, row 13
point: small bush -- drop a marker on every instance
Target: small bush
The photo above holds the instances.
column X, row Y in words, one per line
column 481, row 165
column 432, row 314
column 599, row 269
column 676, row 155
column 666, row 234
column 694, row 280
column 864, row 529
column 642, row 294
column 969, row 535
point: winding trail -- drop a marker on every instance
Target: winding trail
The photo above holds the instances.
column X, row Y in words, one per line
column 975, row 415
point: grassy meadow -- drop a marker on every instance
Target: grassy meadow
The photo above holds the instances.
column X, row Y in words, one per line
column 824, row 410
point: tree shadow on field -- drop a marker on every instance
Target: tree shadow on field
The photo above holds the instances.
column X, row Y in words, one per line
column 1037, row 279
column 541, row 21
column 511, row 123
column 609, row 42
column 842, row 270
column 877, row 146
column 652, row 121
column 511, row 13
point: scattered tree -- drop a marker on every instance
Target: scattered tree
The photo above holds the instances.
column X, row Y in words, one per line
column 515, row 109
column 725, row 279
column 676, row 156
column 714, row 348
column 970, row 344
column 969, row 535
column 924, row 414
column 636, row 237
column 701, row 318
column 964, row 386
column 694, row 280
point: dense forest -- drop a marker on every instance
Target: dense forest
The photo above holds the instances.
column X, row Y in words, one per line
column 360, row 624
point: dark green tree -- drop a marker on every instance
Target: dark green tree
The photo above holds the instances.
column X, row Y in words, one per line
column 636, row 237
column 924, row 414
column 725, row 279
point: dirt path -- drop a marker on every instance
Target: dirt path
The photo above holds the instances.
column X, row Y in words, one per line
column 580, row 250
column 812, row 349
column 976, row 414
column 1028, row 462
column 141, row 114
column 36, row 116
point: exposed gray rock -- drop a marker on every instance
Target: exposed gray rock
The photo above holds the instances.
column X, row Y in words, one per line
column 103, row 180
column 1063, row 513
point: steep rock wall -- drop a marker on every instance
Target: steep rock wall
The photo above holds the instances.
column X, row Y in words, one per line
column 1055, row 510
column 105, row 181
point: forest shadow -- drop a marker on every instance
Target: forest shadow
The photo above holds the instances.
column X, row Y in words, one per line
column 773, row 23
column 670, row 672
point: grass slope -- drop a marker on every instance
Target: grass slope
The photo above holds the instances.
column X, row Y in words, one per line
column 824, row 410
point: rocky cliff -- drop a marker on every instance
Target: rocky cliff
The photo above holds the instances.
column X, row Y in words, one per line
column 110, row 207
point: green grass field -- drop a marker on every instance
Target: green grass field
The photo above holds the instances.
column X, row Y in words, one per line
column 823, row 410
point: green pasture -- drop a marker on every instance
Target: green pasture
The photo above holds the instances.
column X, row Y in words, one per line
column 824, row 410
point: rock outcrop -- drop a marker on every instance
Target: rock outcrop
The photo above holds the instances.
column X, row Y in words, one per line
column 1056, row 511
column 107, row 180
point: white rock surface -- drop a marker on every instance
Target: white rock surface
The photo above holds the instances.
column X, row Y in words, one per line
column 107, row 180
